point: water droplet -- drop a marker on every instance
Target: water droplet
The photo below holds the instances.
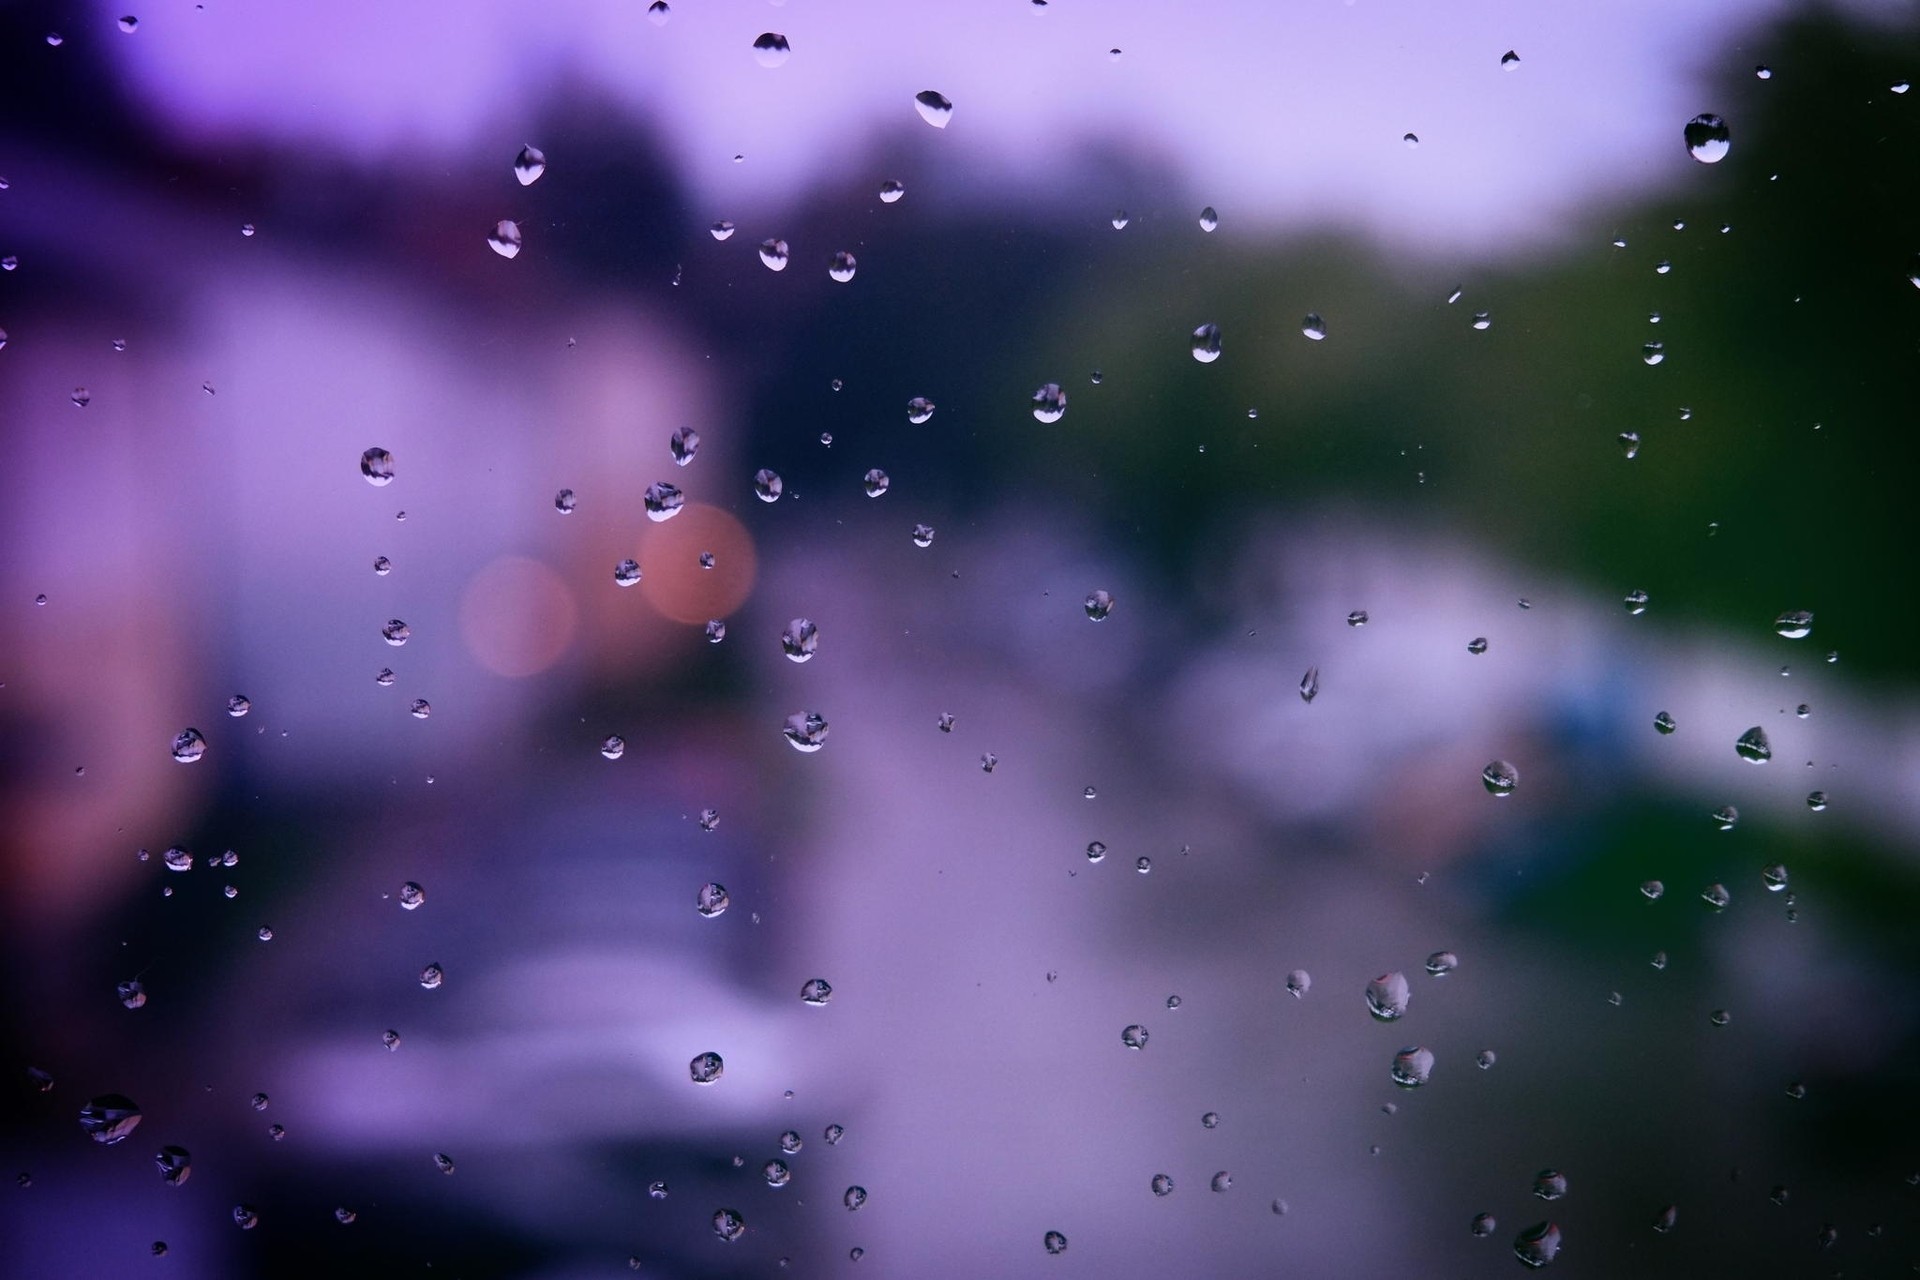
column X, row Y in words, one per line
column 705, row 1068
column 854, row 1198
column 1206, row 347
column 1500, row 778
column 1716, row 896
column 1482, row 320
column 771, row 49
column 919, row 410
column 875, row 482
column 529, row 165
column 767, row 485
column 432, row 976
column 657, row 1189
column 1387, row 996
column 1636, row 602
column 833, row 1133
column 728, row 1224
column 396, row 632
column 1442, row 962
column 1221, row 1181
column 1509, row 60
column 344, row 1216
column 411, row 896
column 391, row 1039
column 377, row 466
column 1143, row 864
column 1055, row 1242
column 1096, row 850
column 662, row 501
column 716, row 631
column 188, row 746
column 1653, row 352
column 842, row 267
column 627, row 572
column 109, row 1118
column 1753, row 745
column 816, row 991
column 1120, row 220
column 1412, row 1067
column 1209, row 220
column 129, row 24
column 1816, row 800
column 806, row 730
column 933, row 108
column 1358, row 618
column 945, row 722
column 1796, row 1090
column 776, row 1173
column 245, row 1217
column 564, row 502
column 132, row 994
column 891, row 191
column 1099, row 604
column 1314, row 327
column 504, row 239
column 1537, row 1245
column 658, row 12
column 712, row 900
column 923, row 535
column 1299, row 982
column 1483, row 1225
column 1774, row 877
column 1485, row 1059
column 1664, row 723
column 1652, row 889
column 613, row 746
column 1211, row 1120
column 1477, row 645
column 1708, row 138
column 773, row 253
column 1720, row 1017
column 1134, row 1036
column 1796, row 624
column 1662, row 267
column 1310, row 685
column 1162, row 1184
column 1049, row 403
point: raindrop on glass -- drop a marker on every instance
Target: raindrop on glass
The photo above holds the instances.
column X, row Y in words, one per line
column 1314, row 327
column 854, row 1198
column 627, row 572
column 1500, row 778
column 529, row 165
column 1049, row 403
column 933, row 108
column 919, row 410
column 109, row 1118
column 377, row 466
column 712, row 900
column 1134, row 1036
column 773, row 253
column 1299, row 982
column 706, row 1068
column 1708, row 138
column 1537, row 1245
column 396, row 632
column 1412, row 1067
column 806, row 730
column 1055, row 1242
column 1310, row 685
column 728, row 1224
column 1664, row 723
column 1099, row 604
column 923, row 535
column 1716, row 896
column 504, row 239
column 1726, row 817
column 1442, row 962
column 842, row 267
column 771, row 49
column 188, row 746
column 1206, row 344
column 1387, row 996
column 767, row 485
column 891, row 191
column 816, row 991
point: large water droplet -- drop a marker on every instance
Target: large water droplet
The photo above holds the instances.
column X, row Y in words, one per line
column 806, row 730
column 1049, row 403
column 774, row 254
column 377, row 466
column 529, row 165
column 842, row 267
column 1708, row 138
column 854, row 1198
column 712, row 900
column 705, row 1068
column 627, row 572
column 891, row 191
column 1162, row 1184
column 109, row 1118
column 188, row 746
column 1055, row 1242
column 1753, row 745
column 933, row 108
column 1209, row 220
column 1299, row 982
column 1795, row 624
column 1134, row 1036
column 771, row 49
column 663, row 501
column 919, row 410
column 1537, row 1245
column 1500, row 778
column 411, row 896
column 1099, row 604
column 175, row 1165
column 767, row 485
column 816, row 991
column 800, row 639
column 875, row 482
column 396, row 632
column 728, row 1224
column 1206, row 344
column 1387, row 996
column 1314, row 327
column 504, row 239
column 1412, row 1067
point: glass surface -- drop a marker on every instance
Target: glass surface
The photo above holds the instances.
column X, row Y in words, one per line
column 959, row 639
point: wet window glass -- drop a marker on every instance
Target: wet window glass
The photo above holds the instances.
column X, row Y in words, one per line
column 1005, row 638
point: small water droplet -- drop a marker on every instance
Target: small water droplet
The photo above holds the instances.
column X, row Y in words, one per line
column 842, row 267
column 391, row 1039
column 1412, row 1067
column 432, row 976
column 1509, row 60
column 132, row 994
column 396, row 632
column 1134, row 1036
column 1774, row 876
column 189, row 746
column 1358, row 618
column 1477, row 645
column 377, row 466
column 1636, row 602
column 1441, row 963
column 712, row 900
column 1099, row 604
column 1537, row 1245
column 923, row 535
column 1664, row 723
column 1653, row 352
column 729, row 1225
column 1055, row 1242
column 627, row 572
column 705, row 1068
column 1500, row 778
column 776, row 1173
column 1753, row 746
column 1310, row 685
column 773, row 253
column 1162, row 1184
column 1211, row 1120
column 1716, row 896
column 1299, row 982
column 1483, row 1225
column 1120, row 220
column 854, row 1198
column 891, row 191
column 1482, row 320
column 1314, row 327
column 109, row 1118
column 658, row 12
column 716, row 631
column 1206, row 344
